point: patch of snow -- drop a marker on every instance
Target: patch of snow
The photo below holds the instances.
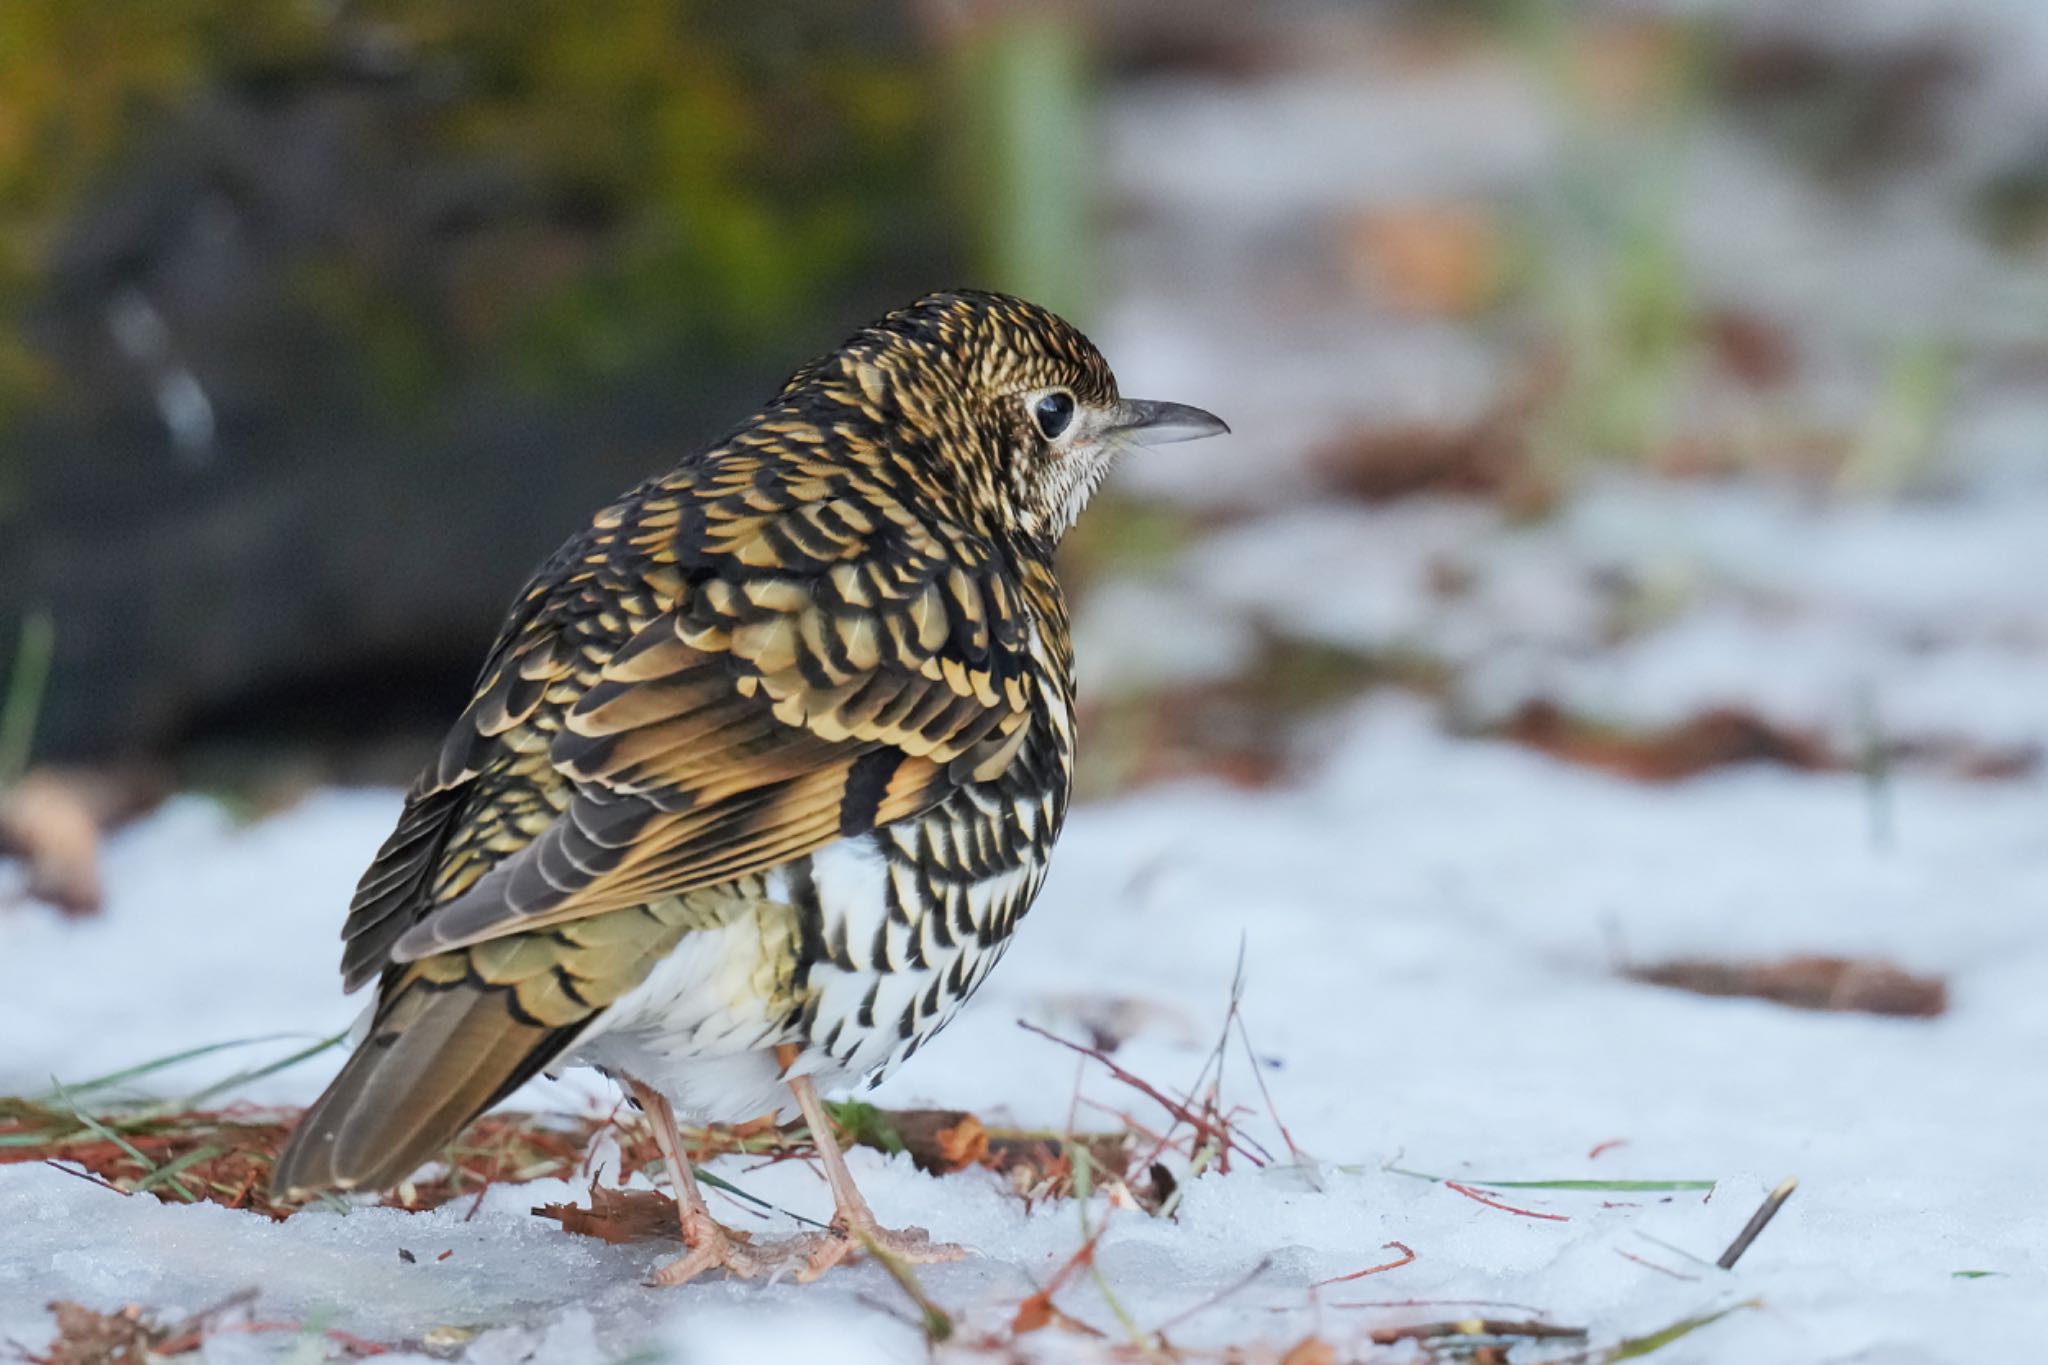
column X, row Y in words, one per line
column 1429, row 926
column 1644, row 603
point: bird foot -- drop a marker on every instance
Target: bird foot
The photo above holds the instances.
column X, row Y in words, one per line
column 914, row 1245
column 714, row 1246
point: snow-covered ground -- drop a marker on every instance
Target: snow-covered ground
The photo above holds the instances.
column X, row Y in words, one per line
column 1429, row 927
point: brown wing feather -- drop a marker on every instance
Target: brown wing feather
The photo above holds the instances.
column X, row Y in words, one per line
column 756, row 719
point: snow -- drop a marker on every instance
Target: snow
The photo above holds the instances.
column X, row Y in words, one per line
column 1428, row 925
column 1644, row 603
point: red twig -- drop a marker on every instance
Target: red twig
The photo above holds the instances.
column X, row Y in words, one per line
column 1202, row 1125
column 1037, row 1310
column 1301, row 1158
column 1493, row 1203
column 346, row 1340
column 1218, row 1297
column 1652, row 1265
column 89, row 1176
column 1407, row 1258
column 1606, row 1146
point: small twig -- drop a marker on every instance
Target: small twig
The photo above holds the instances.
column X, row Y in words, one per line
column 1492, row 1203
column 87, row 1175
column 1084, row 1175
column 1758, row 1221
column 1244, row 1036
column 1407, row 1258
column 1476, row 1327
column 187, row 1335
column 1652, row 1265
column 1236, row 1286
column 936, row 1321
column 1182, row 1112
column 1040, row 1302
column 1672, row 1247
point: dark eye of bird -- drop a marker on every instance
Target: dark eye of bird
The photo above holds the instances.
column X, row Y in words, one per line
column 1053, row 412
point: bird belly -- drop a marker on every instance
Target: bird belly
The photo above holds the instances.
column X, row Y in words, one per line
column 704, row 1025
column 877, row 960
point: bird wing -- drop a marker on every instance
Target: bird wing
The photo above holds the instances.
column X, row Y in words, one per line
column 656, row 722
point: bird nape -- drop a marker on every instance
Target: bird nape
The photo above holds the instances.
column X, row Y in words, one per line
column 763, row 770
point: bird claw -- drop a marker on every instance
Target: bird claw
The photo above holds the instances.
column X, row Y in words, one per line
column 913, row 1245
column 713, row 1246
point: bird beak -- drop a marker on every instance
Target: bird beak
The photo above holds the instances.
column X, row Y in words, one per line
column 1146, row 423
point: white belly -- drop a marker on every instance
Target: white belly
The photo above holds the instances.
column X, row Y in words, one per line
column 704, row 1027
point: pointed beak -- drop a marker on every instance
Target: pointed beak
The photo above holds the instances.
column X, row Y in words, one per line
column 1156, row 424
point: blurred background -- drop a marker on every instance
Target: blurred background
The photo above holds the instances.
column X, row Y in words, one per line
column 1663, row 385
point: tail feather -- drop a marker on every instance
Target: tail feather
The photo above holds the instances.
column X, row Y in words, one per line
column 436, row 1057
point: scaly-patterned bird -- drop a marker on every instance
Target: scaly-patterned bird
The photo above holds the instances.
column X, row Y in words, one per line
column 760, row 775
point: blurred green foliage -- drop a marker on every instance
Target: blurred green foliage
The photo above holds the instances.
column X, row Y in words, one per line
column 1612, row 275
column 686, row 177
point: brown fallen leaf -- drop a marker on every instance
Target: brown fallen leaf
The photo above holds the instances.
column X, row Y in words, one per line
column 1712, row 739
column 945, row 1140
column 963, row 1144
column 1866, row 985
column 52, row 820
column 1489, row 456
column 1310, row 1351
column 619, row 1216
column 88, row 1337
column 1754, row 349
column 1428, row 260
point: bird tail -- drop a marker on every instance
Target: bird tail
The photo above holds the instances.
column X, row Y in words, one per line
column 437, row 1055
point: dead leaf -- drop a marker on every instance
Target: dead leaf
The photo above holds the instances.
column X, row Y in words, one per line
column 52, row 819
column 1864, row 985
column 1310, row 1351
column 1752, row 348
column 1487, row 457
column 1428, row 260
column 619, row 1216
column 1709, row 740
column 963, row 1144
column 1032, row 1314
column 88, row 1337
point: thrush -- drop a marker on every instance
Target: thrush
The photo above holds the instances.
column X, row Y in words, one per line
column 762, row 772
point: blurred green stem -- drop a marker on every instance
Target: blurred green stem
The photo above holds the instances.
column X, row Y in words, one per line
column 1905, row 427
column 1022, row 88
column 25, row 693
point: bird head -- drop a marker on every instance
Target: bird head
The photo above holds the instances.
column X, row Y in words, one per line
column 1000, row 402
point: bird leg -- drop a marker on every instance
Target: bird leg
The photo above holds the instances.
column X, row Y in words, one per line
column 713, row 1246
column 853, row 1222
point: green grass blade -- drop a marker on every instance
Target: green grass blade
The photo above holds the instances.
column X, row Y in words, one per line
column 1584, row 1186
column 171, row 1170
column 721, row 1183
column 105, row 1133
column 140, row 1069
column 1635, row 1348
column 242, row 1078
column 24, row 700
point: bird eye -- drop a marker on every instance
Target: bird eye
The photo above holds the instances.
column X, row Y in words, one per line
column 1053, row 412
